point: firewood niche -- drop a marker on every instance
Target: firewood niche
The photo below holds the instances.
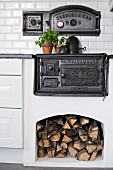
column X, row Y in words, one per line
column 69, row 135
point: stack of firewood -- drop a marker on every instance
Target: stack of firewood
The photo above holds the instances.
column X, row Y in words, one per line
column 77, row 136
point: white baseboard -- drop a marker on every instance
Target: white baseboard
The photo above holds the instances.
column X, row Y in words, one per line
column 11, row 155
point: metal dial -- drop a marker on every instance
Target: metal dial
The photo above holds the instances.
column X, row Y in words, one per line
column 33, row 22
column 60, row 24
column 73, row 22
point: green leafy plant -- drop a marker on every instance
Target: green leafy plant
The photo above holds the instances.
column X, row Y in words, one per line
column 63, row 40
column 49, row 37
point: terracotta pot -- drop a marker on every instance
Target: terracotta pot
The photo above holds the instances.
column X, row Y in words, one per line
column 57, row 48
column 47, row 48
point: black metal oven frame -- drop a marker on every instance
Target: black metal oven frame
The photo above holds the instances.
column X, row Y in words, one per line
column 49, row 80
column 76, row 19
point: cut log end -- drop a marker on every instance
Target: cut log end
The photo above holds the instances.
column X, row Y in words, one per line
column 83, row 155
column 93, row 156
column 84, row 120
column 56, row 137
column 72, row 151
column 79, row 145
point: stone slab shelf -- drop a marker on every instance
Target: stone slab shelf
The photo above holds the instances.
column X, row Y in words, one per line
column 13, row 56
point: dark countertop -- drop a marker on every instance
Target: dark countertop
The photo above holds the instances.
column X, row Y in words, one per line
column 14, row 56
column 30, row 56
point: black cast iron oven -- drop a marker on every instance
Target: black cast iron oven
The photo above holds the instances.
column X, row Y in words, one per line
column 69, row 19
column 71, row 75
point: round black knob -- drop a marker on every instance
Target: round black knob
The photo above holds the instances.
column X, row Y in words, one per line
column 33, row 22
column 73, row 22
column 39, row 22
column 50, row 67
column 63, row 75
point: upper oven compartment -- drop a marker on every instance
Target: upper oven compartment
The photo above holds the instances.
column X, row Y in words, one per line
column 32, row 23
column 69, row 19
column 76, row 19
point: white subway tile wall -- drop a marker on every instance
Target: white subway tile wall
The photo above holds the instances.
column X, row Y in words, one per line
column 11, row 35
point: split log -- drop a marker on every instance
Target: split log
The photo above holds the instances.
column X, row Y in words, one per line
column 98, row 140
column 93, row 126
column 89, row 141
column 41, row 143
column 60, row 121
column 93, row 134
column 49, row 122
column 51, row 152
column 41, row 152
column 81, row 131
column 84, row 137
column 63, row 131
column 83, row 155
column 61, row 155
column 76, row 125
column 47, row 143
column 66, row 139
column 52, row 133
column 91, row 148
column 66, row 126
column 93, row 130
column 84, row 120
column 82, row 134
column 72, row 120
column 71, row 144
column 70, row 132
column 54, row 144
column 44, row 134
column 79, row 145
column 76, row 138
column 58, row 148
column 64, row 145
column 54, row 126
column 63, row 151
column 39, row 126
column 39, row 134
column 93, row 156
column 56, row 137
column 100, row 146
column 72, row 151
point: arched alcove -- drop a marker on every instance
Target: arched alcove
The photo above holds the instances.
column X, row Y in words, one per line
column 70, row 135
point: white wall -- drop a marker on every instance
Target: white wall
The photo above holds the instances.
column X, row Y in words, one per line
column 13, row 41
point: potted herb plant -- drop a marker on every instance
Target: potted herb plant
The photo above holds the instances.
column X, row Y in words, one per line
column 61, row 42
column 47, row 41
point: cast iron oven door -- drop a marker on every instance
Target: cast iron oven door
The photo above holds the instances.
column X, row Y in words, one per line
column 72, row 75
column 76, row 19
column 80, row 75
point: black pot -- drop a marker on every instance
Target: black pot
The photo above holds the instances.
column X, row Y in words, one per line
column 73, row 45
